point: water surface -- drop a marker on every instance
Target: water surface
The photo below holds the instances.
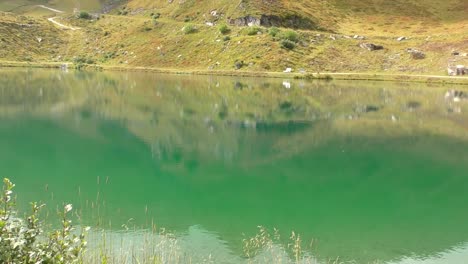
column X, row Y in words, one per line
column 369, row 171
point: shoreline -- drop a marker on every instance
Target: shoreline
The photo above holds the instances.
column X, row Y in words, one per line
column 351, row 76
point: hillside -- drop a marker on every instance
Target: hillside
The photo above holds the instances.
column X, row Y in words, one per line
column 316, row 36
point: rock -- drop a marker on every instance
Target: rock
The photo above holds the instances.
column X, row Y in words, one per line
column 455, row 53
column 461, row 70
column 401, row 38
column 290, row 21
column 370, row 46
column 451, row 72
column 39, row 39
column 416, row 54
column 288, row 70
column 210, row 24
column 245, row 21
column 359, row 37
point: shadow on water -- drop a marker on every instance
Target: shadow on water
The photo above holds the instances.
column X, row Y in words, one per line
column 381, row 185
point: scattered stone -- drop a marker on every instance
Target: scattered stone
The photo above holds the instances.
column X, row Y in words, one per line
column 370, row 46
column 401, row 38
column 455, row 53
column 210, row 24
column 416, row 54
column 39, row 39
column 359, row 37
column 288, row 70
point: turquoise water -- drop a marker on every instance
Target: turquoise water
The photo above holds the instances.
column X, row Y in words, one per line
column 368, row 171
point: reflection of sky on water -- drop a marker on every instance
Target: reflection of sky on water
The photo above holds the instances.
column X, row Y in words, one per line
column 201, row 246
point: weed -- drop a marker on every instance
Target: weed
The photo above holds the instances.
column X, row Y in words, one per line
column 288, row 44
column 189, row 29
column 273, row 31
column 224, row 29
column 253, row 31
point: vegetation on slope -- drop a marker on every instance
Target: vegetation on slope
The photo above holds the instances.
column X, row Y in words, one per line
column 328, row 36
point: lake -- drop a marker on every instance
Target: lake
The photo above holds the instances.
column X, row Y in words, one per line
column 367, row 171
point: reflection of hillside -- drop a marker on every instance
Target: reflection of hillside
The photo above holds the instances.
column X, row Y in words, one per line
column 38, row 92
column 189, row 119
column 183, row 117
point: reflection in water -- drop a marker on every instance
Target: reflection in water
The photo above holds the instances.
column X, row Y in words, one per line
column 371, row 171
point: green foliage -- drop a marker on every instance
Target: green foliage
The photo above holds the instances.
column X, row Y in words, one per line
column 23, row 240
column 156, row 16
column 84, row 15
column 189, row 29
column 226, row 38
column 290, row 35
column 273, row 31
column 224, row 29
column 83, row 60
column 253, row 31
column 238, row 64
column 288, row 44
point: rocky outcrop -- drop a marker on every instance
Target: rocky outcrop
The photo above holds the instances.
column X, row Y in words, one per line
column 245, row 21
column 289, row 21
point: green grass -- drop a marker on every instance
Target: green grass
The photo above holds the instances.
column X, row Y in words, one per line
column 135, row 40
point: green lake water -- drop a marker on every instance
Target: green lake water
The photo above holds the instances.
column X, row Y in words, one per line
column 368, row 171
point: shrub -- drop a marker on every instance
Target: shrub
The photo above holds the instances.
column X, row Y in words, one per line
column 238, row 64
column 273, row 31
column 156, row 16
column 288, row 44
column 224, row 29
column 226, row 38
column 290, row 35
column 22, row 240
column 253, row 31
column 84, row 15
column 189, row 29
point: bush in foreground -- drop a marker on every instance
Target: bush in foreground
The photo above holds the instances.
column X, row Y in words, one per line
column 24, row 241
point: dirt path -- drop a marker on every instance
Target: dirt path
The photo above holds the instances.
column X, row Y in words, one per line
column 60, row 25
column 52, row 19
column 51, row 9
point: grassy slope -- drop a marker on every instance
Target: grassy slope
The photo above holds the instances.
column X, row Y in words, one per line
column 135, row 40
